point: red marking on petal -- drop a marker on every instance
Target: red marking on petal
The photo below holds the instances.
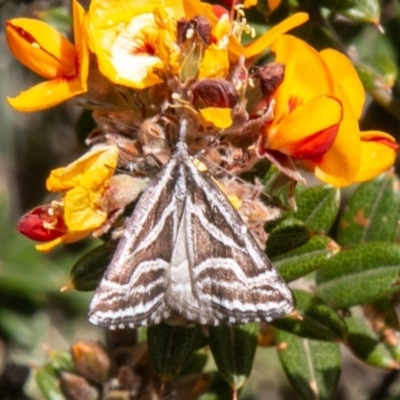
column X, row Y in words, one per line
column 146, row 49
column 22, row 33
column 316, row 145
column 219, row 11
column 39, row 225
column 393, row 145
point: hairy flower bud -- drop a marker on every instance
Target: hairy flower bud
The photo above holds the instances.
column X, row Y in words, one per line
column 214, row 93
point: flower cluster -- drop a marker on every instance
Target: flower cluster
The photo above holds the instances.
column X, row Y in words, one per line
column 145, row 65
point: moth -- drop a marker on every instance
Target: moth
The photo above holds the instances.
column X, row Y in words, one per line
column 187, row 253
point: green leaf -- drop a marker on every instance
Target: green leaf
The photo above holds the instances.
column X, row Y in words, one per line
column 376, row 58
column 87, row 272
column 367, row 344
column 385, row 311
column 371, row 213
column 196, row 362
column 233, row 349
column 312, row 366
column 357, row 10
column 58, row 17
column 382, row 316
column 317, row 206
column 318, row 320
column 170, row 347
column 306, row 258
column 360, row 275
column 274, row 180
column 286, row 235
column 378, row 73
column 48, row 382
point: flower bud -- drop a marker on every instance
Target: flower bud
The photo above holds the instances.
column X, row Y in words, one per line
column 91, row 360
column 42, row 224
column 75, row 387
column 214, row 93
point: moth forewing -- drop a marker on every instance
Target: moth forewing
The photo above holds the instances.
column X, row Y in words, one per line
column 131, row 292
column 232, row 278
column 186, row 251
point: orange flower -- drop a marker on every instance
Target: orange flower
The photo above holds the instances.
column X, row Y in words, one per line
column 46, row 52
column 135, row 41
column 82, row 185
column 316, row 116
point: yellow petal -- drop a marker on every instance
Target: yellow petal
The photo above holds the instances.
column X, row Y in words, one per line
column 340, row 165
column 102, row 159
column 99, row 173
column 306, row 75
column 378, row 153
column 122, row 52
column 259, row 45
column 82, row 212
column 249, row 3
column 304, row 121
column 215, row 63
column 193, row 8
column 105, row 13
column 47, row 94
column 128, row 41
column 41, row 48
column 66, row 84
column 347, row 77
column 67, row 238
column 219, row 117
column 81, row 47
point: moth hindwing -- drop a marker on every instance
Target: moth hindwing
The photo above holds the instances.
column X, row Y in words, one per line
column 187, row 252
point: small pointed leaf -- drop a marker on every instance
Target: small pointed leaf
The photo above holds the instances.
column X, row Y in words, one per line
column 286, row 235
column 376, row 59
column 360, row 275
column 317, row 206
column 48, row 382
column 196, row 362
column 306, row 258
column 87, row 272
column 371, row 213
column 274, row 180
column 170, row 347
column 233, row 349
column 382, row 316
column 366, row 343
column 312, row 366
column 385, row 311
column 357, row 10
column 318, row 321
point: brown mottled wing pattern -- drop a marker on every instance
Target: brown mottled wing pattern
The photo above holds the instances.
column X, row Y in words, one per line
column 219, row 274
column 186, row 251
column 131, row 293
